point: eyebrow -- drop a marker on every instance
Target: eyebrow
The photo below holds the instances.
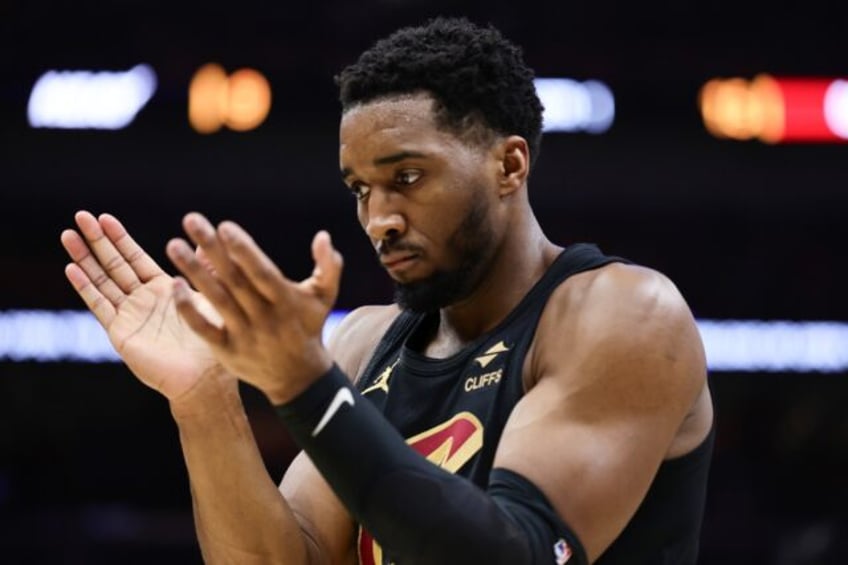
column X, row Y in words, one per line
column 388, row 160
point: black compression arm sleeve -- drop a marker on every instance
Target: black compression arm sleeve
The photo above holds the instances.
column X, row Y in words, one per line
column 418, row 512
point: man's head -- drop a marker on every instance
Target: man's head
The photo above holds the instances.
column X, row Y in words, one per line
column 438, row 128
column 477, row 78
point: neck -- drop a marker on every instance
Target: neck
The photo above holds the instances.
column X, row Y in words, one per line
column 519, row 262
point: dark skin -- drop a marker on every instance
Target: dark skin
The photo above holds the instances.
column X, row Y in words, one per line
column 616, row 374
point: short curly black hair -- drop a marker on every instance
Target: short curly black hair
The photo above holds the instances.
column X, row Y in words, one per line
column 475, row 75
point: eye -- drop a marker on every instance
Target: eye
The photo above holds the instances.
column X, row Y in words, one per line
column 359, row 190
column 407, row 177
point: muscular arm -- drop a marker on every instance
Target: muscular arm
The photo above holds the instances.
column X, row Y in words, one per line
column 241, row 516
column 607, row 409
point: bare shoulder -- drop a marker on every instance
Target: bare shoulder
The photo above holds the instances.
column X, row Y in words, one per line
column 626, row 326
column 619, row 289
column 357, row 335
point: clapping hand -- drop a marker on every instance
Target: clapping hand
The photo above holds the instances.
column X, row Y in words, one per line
column 132, row 297
column 270, row 334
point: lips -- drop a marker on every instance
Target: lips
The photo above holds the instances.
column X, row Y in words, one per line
column 394, row 260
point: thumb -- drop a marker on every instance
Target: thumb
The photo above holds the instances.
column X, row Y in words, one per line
column 327, row 273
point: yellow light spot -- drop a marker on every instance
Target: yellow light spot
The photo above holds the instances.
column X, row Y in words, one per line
column 241, row 101
column 739, row 109
column 732, row 107
column 773, row 109
column 249, row 100
column 207, row 98
column 707, row 100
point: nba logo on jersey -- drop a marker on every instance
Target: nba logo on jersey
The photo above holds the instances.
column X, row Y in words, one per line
column 562, row 552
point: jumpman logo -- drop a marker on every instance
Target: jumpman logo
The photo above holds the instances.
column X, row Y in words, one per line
column 342, row 395
column 382, row 382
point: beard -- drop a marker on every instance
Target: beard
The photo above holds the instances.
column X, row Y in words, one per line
column 472, row 244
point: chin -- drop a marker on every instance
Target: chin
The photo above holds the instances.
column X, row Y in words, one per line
column 431, row 293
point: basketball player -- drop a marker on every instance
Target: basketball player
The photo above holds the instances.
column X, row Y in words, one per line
column 519, row 403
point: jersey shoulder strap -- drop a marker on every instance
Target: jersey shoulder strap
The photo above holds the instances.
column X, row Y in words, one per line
column 390, row 342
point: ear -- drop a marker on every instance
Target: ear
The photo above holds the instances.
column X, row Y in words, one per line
column 514, row 164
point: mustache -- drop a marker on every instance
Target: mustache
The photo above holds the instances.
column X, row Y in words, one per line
column 385, row 247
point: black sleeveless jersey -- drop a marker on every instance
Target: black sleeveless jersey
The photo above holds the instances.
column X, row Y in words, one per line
column 454, row 410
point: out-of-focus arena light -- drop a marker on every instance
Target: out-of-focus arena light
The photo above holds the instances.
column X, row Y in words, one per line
column 573, row 106
column 240, row 101
column 208, row 98
column 775, row 109
column 90, row 99
column 42, row 335
column 68, row 335
column 738, row 345
column 836, row 107
column 731, row 345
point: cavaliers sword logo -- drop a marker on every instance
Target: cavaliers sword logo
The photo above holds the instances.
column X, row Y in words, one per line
column 490, row 354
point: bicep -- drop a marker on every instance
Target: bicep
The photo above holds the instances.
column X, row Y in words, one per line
column 594, row 473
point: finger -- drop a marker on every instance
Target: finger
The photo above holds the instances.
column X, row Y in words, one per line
column 144, row 267
column 111, row 261
column 187, row 310
column 186, row 261
column 204, row 260
column 81, row 255
column 100, row 306
column 326, row 276
column 257, row 267
column 202, row 233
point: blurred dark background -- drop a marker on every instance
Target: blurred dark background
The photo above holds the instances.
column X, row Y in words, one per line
column 90, row 466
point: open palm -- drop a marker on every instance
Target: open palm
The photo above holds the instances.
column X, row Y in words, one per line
column 131, row 296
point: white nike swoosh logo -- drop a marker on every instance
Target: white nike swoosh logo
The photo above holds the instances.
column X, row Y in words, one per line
column 342, row 395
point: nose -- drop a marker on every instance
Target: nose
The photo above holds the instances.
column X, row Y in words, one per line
column 383, row 221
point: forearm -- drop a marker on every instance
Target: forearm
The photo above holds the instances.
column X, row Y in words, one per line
column 240, row 515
